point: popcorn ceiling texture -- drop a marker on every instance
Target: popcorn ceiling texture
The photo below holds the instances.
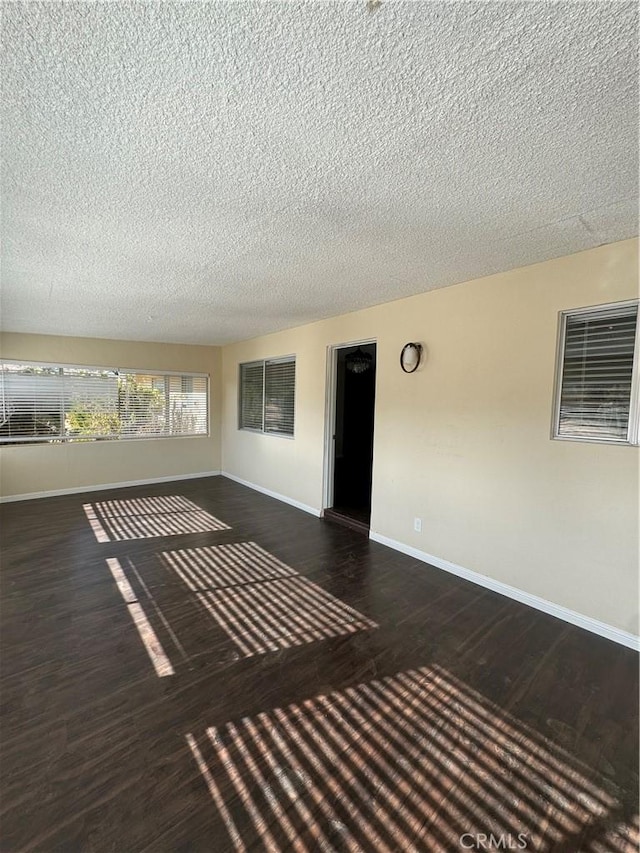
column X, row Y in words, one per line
column 209, row 172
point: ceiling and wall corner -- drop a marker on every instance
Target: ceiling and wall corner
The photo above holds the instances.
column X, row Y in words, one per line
column 209, row 172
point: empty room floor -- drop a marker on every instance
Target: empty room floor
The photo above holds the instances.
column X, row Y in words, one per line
column 193, row 666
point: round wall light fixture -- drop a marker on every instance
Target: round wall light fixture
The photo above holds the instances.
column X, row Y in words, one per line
column 410, row 357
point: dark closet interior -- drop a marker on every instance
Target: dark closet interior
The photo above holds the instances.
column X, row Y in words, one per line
column 355, row 406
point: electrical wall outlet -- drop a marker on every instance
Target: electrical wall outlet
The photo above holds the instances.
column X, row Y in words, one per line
column 417, row 525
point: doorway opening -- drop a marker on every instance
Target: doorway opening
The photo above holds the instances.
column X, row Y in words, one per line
column 351, row 415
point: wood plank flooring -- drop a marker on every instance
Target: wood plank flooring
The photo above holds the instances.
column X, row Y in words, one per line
column 194, row 666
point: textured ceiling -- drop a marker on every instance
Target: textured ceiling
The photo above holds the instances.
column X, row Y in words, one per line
column 207, row 172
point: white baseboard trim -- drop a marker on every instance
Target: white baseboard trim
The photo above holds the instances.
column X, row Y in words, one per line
column 304, row 507
column 76, row 490
column 587, row 622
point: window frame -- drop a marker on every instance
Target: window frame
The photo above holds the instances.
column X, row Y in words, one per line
column 264, row 362
column 633, row 425
column 61, row 439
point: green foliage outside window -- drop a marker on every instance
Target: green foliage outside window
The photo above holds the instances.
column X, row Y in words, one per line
column 140, row 410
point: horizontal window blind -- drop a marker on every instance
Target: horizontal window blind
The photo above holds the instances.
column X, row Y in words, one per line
column 279, row 394
column 89, row 403
column 62, row 403
column 597, row 374
column 267, row 396
column 188, row 405
column 251, row 395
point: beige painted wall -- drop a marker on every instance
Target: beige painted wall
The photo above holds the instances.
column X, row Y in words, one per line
column 464, row 442
column 26, row 469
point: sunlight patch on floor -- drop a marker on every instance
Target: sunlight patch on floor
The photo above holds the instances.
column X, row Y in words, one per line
column 152, row 644
column 260, row 602
column 142, row 518
column 414, row 761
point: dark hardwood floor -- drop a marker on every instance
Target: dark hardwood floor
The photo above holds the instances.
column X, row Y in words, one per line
column 197, row 667
column 356, row 518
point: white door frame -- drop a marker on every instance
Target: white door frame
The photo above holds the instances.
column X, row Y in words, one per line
column 330, row 415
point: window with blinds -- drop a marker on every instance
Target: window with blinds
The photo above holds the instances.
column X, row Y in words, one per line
column 251, row 395
column 597, row 388
column 267, row 396
column 54, row 403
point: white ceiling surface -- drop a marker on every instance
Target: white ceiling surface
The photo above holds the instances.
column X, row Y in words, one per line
column 209, row 172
